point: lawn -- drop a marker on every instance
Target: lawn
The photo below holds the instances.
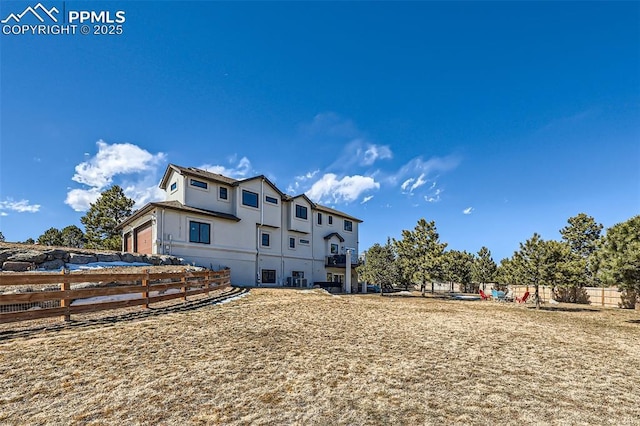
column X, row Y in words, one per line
column 308, row 357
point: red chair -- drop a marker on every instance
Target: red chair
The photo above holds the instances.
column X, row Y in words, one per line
column 522, row 299
column 483, row 296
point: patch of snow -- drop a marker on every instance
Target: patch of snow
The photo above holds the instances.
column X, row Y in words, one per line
column 100, row 265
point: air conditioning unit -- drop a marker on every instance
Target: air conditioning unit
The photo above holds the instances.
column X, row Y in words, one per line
column 289, row 281
column 303, row 282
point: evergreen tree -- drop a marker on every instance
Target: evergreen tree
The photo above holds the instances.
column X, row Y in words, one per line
column 1, row 237
column 457, row 268
column 51, row 237
column 529, row 264
column 421, row 253
column 583, row 236
column 380, row 265
column 72, row 236
column 620, row 256
column 484, row 268
column 103, row 216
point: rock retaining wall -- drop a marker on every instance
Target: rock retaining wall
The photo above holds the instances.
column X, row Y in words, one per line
column 18, row 259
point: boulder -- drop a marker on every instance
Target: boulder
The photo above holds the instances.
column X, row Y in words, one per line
column 57, row 254
column 33, row 256
column 108, row 257
column 16, row 266
column 81, row 259
column 166, row 260
column 127, row 257
column 52, row 264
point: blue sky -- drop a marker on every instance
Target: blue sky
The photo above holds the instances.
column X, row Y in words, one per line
column 496, row 120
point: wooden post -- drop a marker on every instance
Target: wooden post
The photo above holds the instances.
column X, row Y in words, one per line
column 602, row 296
column 64, row 302
column 207, row 282
column 145, row 288
column 184, row 284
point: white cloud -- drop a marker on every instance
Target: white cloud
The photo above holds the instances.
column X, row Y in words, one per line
column 468, row 210
column 418, row 167
column 294, row 187
column 115, row 159
column 241, row 169
column 433, row 197
column 331, row 190
column 366, row 199
column 3, row 214
column 80, row 199
column 21, row 206
column 137, row 167
column 375, row 152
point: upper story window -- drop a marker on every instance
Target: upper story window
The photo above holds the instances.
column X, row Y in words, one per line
column 249, row 198
column 301, row 212
column 223, row 193
column 292, row 242
column 303, row 241
column 348, row 225
column 266, row 239
column 319, row 218
column 198, row 183
column 174, row 186
column 199, row 232
column 330, row 220
column 271, row 200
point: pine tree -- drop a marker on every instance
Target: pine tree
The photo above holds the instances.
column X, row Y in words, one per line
column 421, row 253
column 51, row 237
column 103, row 216
column 484, row 268
column 620, row 256
column 72, row 236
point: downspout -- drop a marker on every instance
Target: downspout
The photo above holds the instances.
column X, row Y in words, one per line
column 162, row 234
column 258, row 242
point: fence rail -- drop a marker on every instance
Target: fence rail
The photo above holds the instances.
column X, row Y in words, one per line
column 608, row 297
column 129, row 290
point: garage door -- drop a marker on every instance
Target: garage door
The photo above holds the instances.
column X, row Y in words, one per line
column 142, row 239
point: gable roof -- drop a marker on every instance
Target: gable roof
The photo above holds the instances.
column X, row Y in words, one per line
column 175, row 205
column 334, row 234
column 216, row 177
column 199, row 173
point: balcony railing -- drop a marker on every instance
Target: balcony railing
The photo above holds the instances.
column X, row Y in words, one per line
column 339, row 261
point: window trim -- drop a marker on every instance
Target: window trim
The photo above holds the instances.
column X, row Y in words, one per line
column 292, row 243
column 200, row 224
column 198, row 184
column 304, row 241
column 299, row 209
column 257, row 197
column 319, row 219
column 226, row 193
column 330, row 220
column 264, row 234
column 344, row 226
column 173, row 187
column 268, row 272
column 271, row 200
column 337, row 248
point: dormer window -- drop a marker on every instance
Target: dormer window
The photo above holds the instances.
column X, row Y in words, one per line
column 301, row 212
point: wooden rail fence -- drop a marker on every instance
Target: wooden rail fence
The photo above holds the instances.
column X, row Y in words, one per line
column 134, row 289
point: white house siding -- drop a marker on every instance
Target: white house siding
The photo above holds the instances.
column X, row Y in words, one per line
column 236, row 241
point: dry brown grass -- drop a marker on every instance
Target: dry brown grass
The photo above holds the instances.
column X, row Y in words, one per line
column 306, row 357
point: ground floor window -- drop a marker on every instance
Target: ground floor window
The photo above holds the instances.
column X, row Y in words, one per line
column 268, row 276
column 199, row 232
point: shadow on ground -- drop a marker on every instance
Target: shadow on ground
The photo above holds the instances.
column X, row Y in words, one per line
column 129, row 316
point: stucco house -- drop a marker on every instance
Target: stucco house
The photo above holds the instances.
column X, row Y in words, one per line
column 265, row 236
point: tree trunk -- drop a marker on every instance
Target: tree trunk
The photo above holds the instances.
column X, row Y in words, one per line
column 537, row 296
